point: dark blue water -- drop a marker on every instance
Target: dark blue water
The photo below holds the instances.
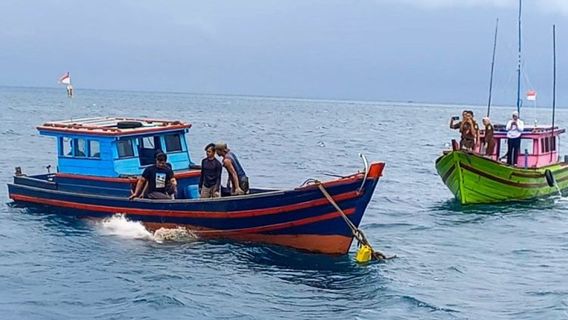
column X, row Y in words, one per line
column 477, row 262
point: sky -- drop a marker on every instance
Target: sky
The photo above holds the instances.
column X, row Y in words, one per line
column 436, row 51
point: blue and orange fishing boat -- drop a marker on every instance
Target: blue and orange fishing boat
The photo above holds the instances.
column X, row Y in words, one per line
column 99, row 160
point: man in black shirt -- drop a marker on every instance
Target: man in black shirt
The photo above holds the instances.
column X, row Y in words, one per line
column 210, row 179
column 160, row 179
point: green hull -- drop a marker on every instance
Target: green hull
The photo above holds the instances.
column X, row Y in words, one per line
column 475, row 179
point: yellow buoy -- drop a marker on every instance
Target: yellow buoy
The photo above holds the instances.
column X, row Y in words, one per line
column 364, row 254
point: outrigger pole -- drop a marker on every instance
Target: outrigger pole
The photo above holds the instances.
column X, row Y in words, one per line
column 492, row 67
column 519, row 64
column 553, row 82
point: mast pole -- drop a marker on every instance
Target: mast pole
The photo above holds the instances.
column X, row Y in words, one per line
column 519, row 63
column 492, row 67
column 553, row 83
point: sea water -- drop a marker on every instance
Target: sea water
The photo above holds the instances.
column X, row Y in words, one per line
column 453, row 262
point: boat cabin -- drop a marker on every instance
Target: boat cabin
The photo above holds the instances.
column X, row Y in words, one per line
column 117, row 147
column 539, row 145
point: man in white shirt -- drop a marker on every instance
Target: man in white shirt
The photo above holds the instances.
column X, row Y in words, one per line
column 515, row 128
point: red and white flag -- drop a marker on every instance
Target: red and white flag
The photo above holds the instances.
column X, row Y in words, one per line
column 65, row 79
column 531, row 95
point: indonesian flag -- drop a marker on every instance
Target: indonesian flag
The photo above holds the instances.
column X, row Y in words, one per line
column 531, row 95
column 65, row 79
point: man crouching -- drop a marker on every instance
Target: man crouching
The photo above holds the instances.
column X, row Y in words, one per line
column 159, row 178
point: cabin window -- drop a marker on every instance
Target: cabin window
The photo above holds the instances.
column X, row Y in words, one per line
column 150, row 143
column 147, row 149
column 526, row 144
column 94, row 149
column 66, row 146
column 80, row 148
column 173, row 142
column 125, row 148
column 548, row 144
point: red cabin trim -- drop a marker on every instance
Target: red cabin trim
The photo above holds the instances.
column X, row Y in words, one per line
column 113, row 131
column 108, row 126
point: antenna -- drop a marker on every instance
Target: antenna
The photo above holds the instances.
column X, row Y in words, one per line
column 492, row 67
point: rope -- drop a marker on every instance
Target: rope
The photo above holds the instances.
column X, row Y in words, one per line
column 357, row 233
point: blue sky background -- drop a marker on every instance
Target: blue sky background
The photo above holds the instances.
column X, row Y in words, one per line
column 403, row 50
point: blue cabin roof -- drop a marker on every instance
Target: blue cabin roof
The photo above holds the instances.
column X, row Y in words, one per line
column 113, row 147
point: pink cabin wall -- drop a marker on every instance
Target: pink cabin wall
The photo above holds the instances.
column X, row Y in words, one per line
column 535, row 158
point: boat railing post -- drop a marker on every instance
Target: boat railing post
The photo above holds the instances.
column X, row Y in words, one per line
column 366, row 171
column 526, row 158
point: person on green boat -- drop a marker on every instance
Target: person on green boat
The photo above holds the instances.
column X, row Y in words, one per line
column 489, row 141
column 468, row 130
column 475, row 129
column 515, row 128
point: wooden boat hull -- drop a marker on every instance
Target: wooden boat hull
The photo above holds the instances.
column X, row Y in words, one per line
column 474, row 179
column 301, row 218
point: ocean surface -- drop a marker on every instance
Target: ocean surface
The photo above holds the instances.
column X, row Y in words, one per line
column 453, row 262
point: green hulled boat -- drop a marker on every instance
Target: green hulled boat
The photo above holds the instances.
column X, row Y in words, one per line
column 476, row 178
column 480, row 177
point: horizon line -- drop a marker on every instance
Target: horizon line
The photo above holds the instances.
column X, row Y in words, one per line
column 321, row 99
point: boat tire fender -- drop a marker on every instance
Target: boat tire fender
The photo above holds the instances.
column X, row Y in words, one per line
column 128, row 124
column 549, row 178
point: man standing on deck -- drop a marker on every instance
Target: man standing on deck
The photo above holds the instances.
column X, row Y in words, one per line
column 210, row 178
column 238, row 180
column 515, row 128
column 160, row 179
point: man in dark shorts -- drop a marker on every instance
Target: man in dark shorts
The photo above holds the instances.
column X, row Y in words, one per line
column 210, row 180
column 237, row 176
column 159, row 179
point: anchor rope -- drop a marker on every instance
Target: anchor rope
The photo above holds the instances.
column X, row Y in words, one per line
column 357, row 233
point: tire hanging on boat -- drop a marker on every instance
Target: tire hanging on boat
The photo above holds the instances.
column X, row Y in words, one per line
column 128, row 124
column 549, row 178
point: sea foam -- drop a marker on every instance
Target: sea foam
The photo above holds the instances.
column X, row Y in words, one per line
column 119, row 225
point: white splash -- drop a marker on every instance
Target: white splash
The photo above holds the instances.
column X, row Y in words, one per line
column 119, row 225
